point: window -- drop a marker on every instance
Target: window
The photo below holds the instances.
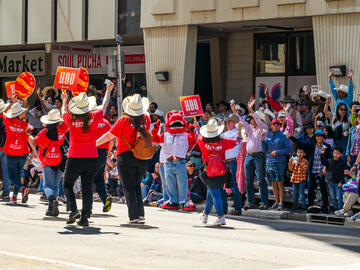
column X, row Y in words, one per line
column 301, row 53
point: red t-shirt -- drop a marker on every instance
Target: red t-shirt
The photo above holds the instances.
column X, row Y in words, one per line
column 16, row 143
column 83, row 145
column 208, row 148
column 103, row 127
column 43, row 141
column 124, row 128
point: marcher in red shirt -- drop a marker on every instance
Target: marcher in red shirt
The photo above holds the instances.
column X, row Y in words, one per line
column 131, row 169
column 5, row 174
column 52, row 156
column 16, row 147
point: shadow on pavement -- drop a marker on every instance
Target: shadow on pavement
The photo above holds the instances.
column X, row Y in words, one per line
column 85, row 231
column 19, row 205
column 343, row 237
column 217, row 227
column 139, row 226
column 102, row 216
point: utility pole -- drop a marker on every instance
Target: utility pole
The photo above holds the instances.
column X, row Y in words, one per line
column 119, row 75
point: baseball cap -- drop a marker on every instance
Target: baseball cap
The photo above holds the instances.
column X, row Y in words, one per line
column 275, row 121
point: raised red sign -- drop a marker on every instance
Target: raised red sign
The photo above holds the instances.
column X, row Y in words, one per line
column 67, row 78
column 10, row 89
column 191, row 105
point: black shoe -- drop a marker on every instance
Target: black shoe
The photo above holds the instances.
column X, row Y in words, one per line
column 107, row 205
column 73, row 217
column 249, row 206
column 83, row 222
column 55, row 208
column 263, row 206
column 48, row 213
column 5, row 198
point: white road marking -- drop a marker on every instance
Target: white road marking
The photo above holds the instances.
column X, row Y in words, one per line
column 343, row 267
column 39, row 259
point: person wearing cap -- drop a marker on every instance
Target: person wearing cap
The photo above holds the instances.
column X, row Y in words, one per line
column 223, row 107
column 5, row 174
column 315, row 167
column 52, row 156
column 197, row 189
column 157, row 115
column 82, row 156
column 255, row 158
column 343, row 94
column 16, row 146
column 215, row 174
column 276, row 146
column 230, row 159
column 286, row 122
column 306, row 113
column 131, row 170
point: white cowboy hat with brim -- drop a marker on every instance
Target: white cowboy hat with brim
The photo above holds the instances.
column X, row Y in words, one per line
column 239, row 108
column 135, row 105
column 15, row 110
column 320, row 93
column 212, row 129
column 82, row 104
column 270, row 113
column 159, row 113
column 343, row 88
column 47, row 89
column 2, row 106
column 52, row 117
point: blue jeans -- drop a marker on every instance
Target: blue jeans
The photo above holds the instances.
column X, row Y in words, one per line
column 15, row 165
column 5, row 174
column 336, row 195
column 235, row 190
column 195, row 197
column 52, row 180
column 164, row 187
column 213, row 197
column 99, row 180
column 41, row 185
column 299, row 188
column 144, row 191
column 176, row 181
column 255, row 164
column 61, row 188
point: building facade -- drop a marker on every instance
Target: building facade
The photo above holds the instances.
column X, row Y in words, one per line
column 40, row 35
column 223, row 49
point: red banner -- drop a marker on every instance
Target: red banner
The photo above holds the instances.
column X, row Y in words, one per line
column 134, row 59
column 67, row 78
column 191, row 105
column 10, row 89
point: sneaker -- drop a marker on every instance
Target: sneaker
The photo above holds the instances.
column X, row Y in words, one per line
column 13, row 199
column 356, row 216
column 348, row 214
column 340, row 212
column 170, row 205
column 189, row 207
column 141, row 218
column 43, row 198
column 5, row 198
column 73, row 217
column 281, row 207
column 219, row 221
column 25, row 195
column 55, row 208
column 249, row 206
column 133, row 221
column 263, row 206
column 108, row 203
column 61, row 199
column 83, row 222
column 274, row 206
column 203, row 218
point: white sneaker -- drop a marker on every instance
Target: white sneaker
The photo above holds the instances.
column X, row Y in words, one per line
column 348, row 214
column 219, row 221
column 203, row 218
column 339, row 212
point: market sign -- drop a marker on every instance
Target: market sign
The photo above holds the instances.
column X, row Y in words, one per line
column 191, row 105
column 14, row 63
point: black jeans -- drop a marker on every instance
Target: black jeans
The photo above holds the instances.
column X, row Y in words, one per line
column 313, row 177
column 99, row 178
column 131, row 171
column 86, row 168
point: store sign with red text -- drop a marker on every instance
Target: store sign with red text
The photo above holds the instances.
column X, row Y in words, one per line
column 191, row 105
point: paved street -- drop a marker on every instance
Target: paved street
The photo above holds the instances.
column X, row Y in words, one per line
column 168, row 240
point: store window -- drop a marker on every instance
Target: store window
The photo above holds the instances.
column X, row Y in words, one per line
column 301, row 53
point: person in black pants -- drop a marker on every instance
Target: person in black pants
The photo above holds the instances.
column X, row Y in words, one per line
column 131, row 170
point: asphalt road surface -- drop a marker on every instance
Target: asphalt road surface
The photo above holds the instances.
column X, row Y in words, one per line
column 168, row 240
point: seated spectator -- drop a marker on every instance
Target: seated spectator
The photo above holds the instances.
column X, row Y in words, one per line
column 197, row 189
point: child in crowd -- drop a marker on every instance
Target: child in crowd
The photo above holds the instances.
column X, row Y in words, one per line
column 298, row 166
column 334, row 168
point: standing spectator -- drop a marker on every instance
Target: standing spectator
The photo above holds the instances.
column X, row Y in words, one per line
column 306, row 113
column 197, row 189
column 153, row 107
column 353, row 143
column 335, row 168
column 223, row 110
column 286, row 123
column 128, row 89
column 255, row 158
column 298, row 166
column 276, row 146
column 343, row 94
column 205, row 118
column 142, row 90
column 112, row 116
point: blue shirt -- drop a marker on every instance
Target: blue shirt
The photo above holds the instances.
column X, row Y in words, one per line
column 276, row 141
column 347, row 100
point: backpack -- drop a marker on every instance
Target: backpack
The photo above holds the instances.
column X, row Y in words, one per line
column 215, row 165
column 52, row 154
column 17, row 144
column 143, row 148
column 2, row 133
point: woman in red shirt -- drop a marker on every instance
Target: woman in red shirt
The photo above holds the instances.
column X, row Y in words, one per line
column 82, row 155
column 131, row 169
column 51, row 154
column 215, row 173
column 16, row 147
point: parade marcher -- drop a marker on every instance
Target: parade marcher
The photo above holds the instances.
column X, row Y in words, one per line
column 5, row 173
column 135, row 122
column 82, row 155
column 52, row 156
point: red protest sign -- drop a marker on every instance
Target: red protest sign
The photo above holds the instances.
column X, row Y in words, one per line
column 67, row 78
column 10, row 89
column 191, row 105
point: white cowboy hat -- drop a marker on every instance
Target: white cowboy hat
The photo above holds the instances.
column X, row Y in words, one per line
column 270, row 113
column 239, row 108
column 2, row 106
column 52, row 117
column 343, row 88
column 135, row 105
column 81, row 104
column 159, row 113
column 212, row 129
column 15, row 110
column 320, row 93
column 47, row 89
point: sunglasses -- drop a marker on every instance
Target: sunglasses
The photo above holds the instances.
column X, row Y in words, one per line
column 343, row 109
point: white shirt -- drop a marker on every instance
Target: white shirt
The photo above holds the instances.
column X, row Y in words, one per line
column 175, row 145
column 233, row 152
